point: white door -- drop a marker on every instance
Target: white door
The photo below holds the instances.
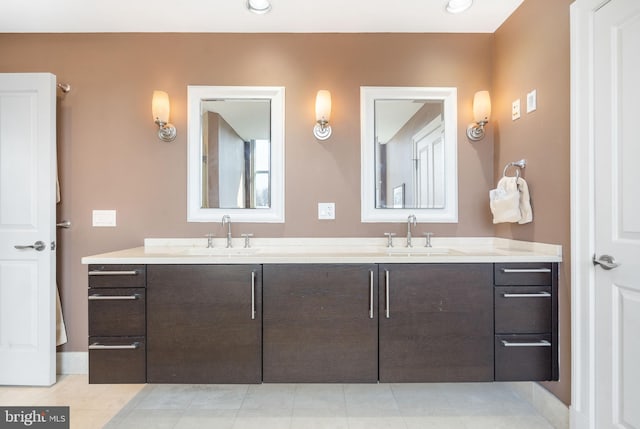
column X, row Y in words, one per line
column 27, row 228
column 617, row 214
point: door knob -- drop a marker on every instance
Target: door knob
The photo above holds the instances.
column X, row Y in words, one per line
column 606, row 262
column 38, row 245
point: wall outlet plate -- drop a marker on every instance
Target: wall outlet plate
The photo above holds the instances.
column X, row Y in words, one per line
column 104, row 218
column 532, row 101
column 515, row 110
column 326, row 211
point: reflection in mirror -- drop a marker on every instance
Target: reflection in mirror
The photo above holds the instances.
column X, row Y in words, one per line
column 236, row 142
column 236, row 153
column 409, row 154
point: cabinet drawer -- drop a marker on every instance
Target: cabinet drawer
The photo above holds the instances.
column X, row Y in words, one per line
column 117, row 360
column 117, row 275
column 523, row 274
column 523, row 357
column 117, row 312
column 522, row 309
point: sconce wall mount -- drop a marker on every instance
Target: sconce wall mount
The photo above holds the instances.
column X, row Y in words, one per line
column 481, row 114
column 161, row 108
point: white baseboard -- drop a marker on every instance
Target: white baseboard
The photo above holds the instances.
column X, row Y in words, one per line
column 72, row 363
column 545, row 402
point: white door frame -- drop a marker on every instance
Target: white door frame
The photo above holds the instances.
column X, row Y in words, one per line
column 582, row 410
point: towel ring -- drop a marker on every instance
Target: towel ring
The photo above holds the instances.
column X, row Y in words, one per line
column 519, row 164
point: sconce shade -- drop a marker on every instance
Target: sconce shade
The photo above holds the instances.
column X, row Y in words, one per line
column 323, row 106
column 160, row 106
column 481, row 106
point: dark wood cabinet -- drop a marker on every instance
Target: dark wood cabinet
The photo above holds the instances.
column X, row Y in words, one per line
column 320, row 323
column 436, row 322
column 204, row 323
column 117, row 323
column 526, row 321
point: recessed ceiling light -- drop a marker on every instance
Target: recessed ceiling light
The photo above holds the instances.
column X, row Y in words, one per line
column 259, row 6
column 458, row 6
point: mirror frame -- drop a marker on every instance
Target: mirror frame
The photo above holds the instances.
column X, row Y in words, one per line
column 195, row 211
column 368, row 210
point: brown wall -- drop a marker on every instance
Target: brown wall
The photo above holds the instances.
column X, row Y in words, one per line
column 110, row 158
column 532, row 52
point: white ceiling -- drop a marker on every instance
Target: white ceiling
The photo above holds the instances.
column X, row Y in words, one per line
column 216, row 16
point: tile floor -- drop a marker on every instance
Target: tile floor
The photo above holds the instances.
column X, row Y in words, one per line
column 291, row 406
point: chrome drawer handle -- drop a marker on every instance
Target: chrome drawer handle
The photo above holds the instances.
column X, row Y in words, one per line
column 527, row 295
column 113, row 297
column 253, row 295
column 541, row 343
column 113, row 273
column 526, row 270
column 370, row 294
column 387, row 306
column 97, row 346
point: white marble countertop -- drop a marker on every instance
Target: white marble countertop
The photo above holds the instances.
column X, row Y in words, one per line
column 331, row 250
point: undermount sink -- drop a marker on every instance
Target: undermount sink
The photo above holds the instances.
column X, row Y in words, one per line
column 418, row 251
column 220, row 251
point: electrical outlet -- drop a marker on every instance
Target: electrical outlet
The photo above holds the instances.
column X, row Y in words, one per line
column 532, row 101
column 515, row 110
column 326, row 211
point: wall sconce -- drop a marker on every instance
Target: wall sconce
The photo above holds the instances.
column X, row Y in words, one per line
column 481, row 115
column 322, row 130
column 160, row 108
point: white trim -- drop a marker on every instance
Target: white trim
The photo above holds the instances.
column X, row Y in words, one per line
column 582, row 213
column 545, row 402
column 195, row 213
column 72, row 362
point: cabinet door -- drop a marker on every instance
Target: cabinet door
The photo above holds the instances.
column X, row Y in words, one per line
column 436, row 322
column 320, row 323
column 204, row 323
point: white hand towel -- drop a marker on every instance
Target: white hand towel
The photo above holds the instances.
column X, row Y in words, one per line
column 505, row 201
column 525, row 203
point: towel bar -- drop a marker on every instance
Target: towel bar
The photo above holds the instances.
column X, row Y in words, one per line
column 520, row 164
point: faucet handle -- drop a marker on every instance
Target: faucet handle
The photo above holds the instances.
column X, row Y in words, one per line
column 210, row 239
column 247, row 242
column 428, row 236
column 390, row 236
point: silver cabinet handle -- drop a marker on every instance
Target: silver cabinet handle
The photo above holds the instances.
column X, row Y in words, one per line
column 113, row 297
column 526, row 270
column 607, row 262
column 113, row 273
column 527, row 295
column 541, row 343
column 97, row 346
column 370, row 294
column 253, row 295
column 38, row 246
column 387, row 307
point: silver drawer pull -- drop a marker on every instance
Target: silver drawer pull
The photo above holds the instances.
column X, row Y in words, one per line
column 526, row 270
column 370, row 294
column 97, row 346
column 253, row 295
column 113, row 297
column 541, row 343
column 387, row 306
column 113, row 273
column 527, row 295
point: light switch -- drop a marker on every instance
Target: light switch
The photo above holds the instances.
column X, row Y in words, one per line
column 515, row 110
column 326, row 210
column 532, row 101
column 104, row 218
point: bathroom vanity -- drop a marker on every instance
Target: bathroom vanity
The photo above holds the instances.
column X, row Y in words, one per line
column 324, row 310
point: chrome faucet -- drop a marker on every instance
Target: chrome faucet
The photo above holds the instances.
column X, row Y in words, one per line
column 227, row 219
column 410, row 220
